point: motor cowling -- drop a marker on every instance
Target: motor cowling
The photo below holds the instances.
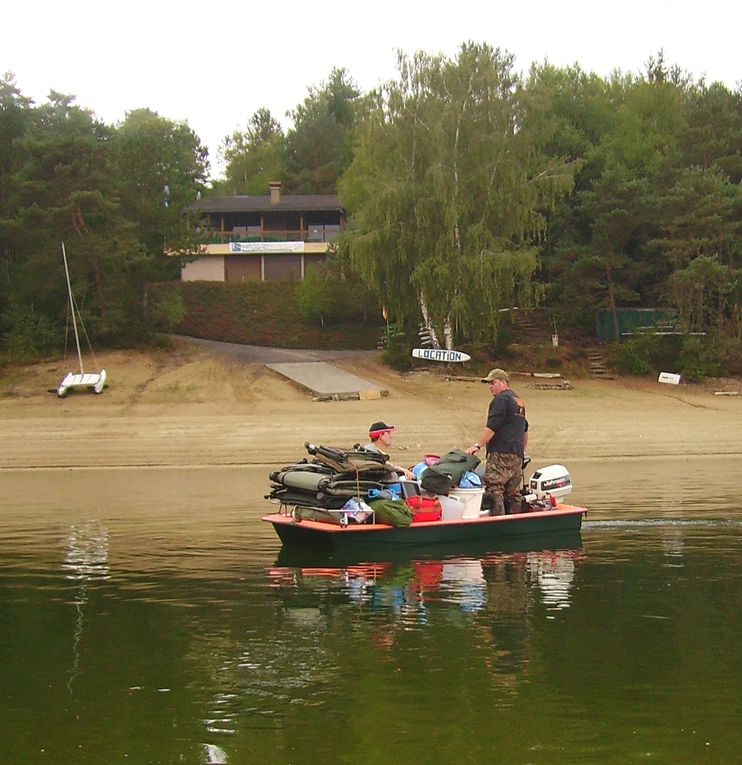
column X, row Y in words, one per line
column 551, row 481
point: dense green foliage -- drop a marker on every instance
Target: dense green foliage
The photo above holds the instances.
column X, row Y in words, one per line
column 253, row 157
column 693, row 356
column 659, row 187
column 469, row 188
column 447, row 193
column 113, row 195
column 627, row 190
column 319, row 143
column 309, row 158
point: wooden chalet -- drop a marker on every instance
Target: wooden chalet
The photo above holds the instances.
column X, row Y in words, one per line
column 275, row 237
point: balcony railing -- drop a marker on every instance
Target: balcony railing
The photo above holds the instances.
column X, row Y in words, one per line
column 327, row 233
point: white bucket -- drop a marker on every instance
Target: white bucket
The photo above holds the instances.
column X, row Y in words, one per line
column 472, row 499
column 470, row 571
column 452, row 508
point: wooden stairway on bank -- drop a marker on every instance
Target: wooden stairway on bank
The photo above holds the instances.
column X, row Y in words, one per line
column 598, row 365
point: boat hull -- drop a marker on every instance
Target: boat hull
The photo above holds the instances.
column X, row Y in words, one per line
column 93, row 382
column 564, row 519
column 323, row 556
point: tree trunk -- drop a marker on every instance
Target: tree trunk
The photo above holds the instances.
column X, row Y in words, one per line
column 99, row 290
column 612, row 303
column 426, row 320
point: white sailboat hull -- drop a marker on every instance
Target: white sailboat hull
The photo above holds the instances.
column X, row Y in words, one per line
column 93, row 382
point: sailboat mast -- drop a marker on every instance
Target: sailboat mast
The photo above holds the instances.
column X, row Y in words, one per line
column 72, row 308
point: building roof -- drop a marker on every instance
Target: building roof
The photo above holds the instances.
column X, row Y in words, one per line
column 287, row 203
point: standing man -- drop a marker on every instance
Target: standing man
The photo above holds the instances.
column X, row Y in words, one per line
column 505, row 435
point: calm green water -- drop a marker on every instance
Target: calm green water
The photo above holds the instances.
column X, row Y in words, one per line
column 150, row 617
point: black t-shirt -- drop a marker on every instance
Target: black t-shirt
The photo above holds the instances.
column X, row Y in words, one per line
column 507, row 418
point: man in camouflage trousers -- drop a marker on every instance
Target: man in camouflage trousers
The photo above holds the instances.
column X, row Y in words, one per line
column 505, row 435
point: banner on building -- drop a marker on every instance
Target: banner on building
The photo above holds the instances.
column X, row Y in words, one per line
column 265, row 247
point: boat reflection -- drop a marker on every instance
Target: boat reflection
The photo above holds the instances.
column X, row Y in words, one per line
column 408, row 583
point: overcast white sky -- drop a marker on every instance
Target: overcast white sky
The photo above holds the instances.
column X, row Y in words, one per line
column 214, row 63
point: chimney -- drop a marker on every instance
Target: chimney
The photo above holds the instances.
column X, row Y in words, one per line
column 275, row 187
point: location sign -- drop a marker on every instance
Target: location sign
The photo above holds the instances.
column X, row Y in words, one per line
column 433, row 354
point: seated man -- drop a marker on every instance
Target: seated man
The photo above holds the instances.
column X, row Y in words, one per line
column 380, row 435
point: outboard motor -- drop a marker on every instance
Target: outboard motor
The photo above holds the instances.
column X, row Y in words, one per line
column 548, row 487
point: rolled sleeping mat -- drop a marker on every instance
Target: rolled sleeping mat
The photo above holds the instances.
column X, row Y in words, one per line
column 347, row 493
column 352, row 488
column 301, row 479
column 306, row 499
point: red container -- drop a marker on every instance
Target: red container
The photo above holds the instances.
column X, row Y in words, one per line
column 424, row 509
column 426, row 516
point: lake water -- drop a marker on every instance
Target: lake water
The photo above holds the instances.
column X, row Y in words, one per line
column 149, row 616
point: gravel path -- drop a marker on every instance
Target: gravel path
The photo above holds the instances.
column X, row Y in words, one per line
column 261, row 355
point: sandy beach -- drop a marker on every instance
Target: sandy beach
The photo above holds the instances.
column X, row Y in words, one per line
column 188, row 406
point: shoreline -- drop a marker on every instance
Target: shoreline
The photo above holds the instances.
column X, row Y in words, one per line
column 153, row 467
column 190, row 408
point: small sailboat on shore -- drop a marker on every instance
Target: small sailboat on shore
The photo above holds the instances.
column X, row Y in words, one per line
column 95, row 382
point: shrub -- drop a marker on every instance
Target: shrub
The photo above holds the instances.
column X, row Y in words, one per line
column 645, row 353
column 319, row 298
column 703, row 357
column 397, row 356
column 29, row 336
column 167, row 309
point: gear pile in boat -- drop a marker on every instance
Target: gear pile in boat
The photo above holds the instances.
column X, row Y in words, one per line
column 358, row 486
column 332, row 476
column 344, row 486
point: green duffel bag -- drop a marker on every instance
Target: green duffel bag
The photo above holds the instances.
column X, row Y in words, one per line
column 394, row 512
column 443, row 475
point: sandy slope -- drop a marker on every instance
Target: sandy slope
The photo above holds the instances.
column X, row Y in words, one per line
column 188, row 407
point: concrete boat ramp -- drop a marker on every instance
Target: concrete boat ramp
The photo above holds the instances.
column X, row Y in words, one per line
column 328, row 383
column 303, row 367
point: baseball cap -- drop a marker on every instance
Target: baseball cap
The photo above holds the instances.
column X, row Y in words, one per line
column 496, row 374
column 378, row 428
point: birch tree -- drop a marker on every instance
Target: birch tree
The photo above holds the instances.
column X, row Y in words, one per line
column 447, row 193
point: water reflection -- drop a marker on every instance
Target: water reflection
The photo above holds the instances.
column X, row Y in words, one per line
column 554, row 574
column 85, row 561
column 478, row 608
column 407, row 586
column 86, row 552
column 214, row 755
